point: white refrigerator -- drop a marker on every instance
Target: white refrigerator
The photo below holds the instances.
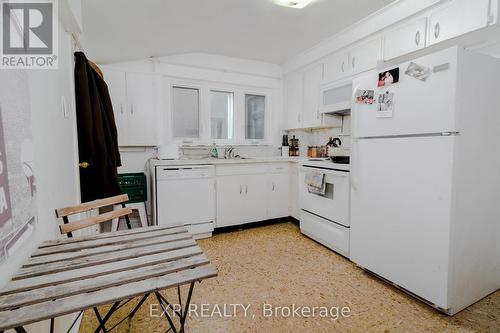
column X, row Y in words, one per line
column 425, row 177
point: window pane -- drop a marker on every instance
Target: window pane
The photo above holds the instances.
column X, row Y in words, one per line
column 255, row 109
column 221, row 114
column 186, row 112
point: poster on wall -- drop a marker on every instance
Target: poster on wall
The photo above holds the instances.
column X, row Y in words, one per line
column 17, row 178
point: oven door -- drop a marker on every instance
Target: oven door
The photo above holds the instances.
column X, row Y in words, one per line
column 334, row 204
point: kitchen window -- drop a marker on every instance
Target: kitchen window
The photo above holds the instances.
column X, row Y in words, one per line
column 186, row 112
column 255, row 111
column 221, row 115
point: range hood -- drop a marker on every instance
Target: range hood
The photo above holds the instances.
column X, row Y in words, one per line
column 336, row 99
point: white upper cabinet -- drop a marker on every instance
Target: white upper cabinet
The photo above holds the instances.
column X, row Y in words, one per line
column 405, row 39
column 365, row 56
column 312, row 80
column 336, row 67
column 293, row 99
column 133, row 97
column 457, row 18
column 142, row 109
column 117, row 88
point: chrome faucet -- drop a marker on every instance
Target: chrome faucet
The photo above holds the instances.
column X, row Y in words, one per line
column 229, row 152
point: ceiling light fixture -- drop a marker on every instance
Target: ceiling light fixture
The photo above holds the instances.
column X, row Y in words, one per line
column 293, row 3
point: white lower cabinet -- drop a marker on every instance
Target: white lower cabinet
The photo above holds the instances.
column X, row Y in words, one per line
column 251, row 193
column 278, row 189
column 255, row 198
column 229, row 201
column 241, row 199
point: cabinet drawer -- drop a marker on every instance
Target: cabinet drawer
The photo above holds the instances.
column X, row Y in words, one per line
column 247, row 169
column 331, row 235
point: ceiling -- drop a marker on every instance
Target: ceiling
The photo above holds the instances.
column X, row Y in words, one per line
column 119, row 30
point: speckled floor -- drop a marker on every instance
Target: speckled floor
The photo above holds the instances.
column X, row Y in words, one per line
column 277, row 265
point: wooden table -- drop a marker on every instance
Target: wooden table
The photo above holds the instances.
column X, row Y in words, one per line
column 74, row 274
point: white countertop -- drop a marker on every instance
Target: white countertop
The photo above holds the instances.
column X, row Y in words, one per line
column 325, row 163
column 215, row 161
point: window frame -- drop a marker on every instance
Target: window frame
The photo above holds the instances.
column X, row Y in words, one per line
column 186, row 85
column 224, row 91
column 267, row 103
column 204, row 121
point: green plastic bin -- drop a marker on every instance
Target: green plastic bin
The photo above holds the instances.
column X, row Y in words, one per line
column 133, row 184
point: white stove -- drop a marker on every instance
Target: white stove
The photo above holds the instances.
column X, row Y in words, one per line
column 325, row 217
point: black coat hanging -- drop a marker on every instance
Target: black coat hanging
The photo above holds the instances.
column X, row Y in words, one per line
column 97, row 135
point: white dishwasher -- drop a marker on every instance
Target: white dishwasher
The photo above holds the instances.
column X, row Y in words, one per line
column 186, row 195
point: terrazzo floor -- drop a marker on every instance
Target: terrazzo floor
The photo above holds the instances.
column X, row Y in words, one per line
column 277, row 265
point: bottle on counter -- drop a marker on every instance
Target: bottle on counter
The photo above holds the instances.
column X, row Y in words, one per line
column 214, row 153
column 294, row 147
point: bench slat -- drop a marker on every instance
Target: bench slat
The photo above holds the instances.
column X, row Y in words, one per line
column 98, row 283
column 100, row 259
column 77, row 225
column 87, row 206
column 93, row 271
column 70, row 247
column 46, row 259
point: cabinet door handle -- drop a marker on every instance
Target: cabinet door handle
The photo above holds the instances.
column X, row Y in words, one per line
column 241, row 189
column 417, row 38
column 121, row 108
column 273, row 186
column 131, row 108
column 353, row 62
column 246, row 189
column 437, row 30
column 343, row 66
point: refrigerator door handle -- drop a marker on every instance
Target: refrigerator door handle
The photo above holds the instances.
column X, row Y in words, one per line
column 354, row 164
column 354, row 106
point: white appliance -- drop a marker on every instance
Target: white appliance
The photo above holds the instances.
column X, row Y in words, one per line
column 325, row 217
column 186, row 195
column 336, row 98
column 425, row 202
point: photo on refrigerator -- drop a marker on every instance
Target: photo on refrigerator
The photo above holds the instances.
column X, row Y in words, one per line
column 388, row 77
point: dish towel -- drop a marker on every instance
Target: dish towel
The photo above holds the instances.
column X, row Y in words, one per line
column 315, row 182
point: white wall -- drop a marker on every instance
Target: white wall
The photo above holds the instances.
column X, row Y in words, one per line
column 56, row 159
